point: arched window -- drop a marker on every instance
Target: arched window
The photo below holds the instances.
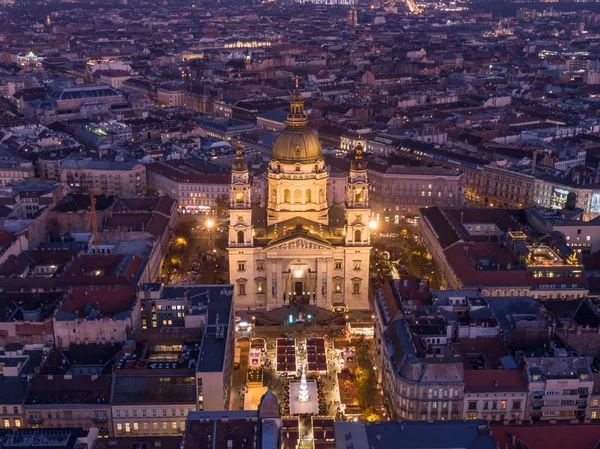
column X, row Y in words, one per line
column 358, row 195
column 240, row 237
column 357, row 236
column 297, row 196
column 286, row 196
column 308, row 196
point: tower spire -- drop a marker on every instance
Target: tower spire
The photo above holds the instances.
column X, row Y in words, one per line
column 358, row 163
column 297, row 118
column 239, row 164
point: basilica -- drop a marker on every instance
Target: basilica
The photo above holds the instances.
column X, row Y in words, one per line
column 298, row 249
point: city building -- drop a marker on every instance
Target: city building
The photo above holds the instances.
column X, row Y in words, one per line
column 180, row 360
column 69, row 401
column 409, row 434
column 330, row 265
column 421, row 379
column 13, row 168
column 106, row 177
column 560, row 388
column 397, row 193
column 495, row 394
column 196, row 189
column 50, row 438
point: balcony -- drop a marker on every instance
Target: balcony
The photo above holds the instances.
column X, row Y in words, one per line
column 100, row 419
column 35, row 420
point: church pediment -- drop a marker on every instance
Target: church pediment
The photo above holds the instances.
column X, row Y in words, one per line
column 299, row 244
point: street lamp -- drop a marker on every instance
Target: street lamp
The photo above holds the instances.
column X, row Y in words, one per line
column 373, row 224
column 209, row 225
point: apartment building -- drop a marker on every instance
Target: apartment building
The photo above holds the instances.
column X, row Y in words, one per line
column 559, row 388
column 420, row 381
column 495, row 395
column 195, row 189
column 397, row 192
column 69, row 401
column 108, row 177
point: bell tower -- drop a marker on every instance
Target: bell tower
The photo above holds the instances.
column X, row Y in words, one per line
column 240, row 204
column 357, row 202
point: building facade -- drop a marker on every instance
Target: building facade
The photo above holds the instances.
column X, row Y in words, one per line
column 397, row 193
column 194, row 190
column 329, row 262
column 559, row 388
column 104, row 177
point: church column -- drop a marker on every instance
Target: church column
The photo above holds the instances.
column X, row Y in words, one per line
column 270, row 267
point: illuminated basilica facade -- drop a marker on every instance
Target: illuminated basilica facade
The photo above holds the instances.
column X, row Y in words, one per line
column 297, row 249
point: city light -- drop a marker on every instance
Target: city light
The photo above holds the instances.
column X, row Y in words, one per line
column 373, row 224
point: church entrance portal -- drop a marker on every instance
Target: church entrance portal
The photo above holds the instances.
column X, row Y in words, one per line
column 298, row 289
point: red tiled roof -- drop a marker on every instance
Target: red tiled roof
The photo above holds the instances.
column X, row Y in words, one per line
column 6, row 237
column 491, row 347
column 596, row 383
column 494, row 380
column 170, row 171
column 465, row 269
column 107, row 300
column 561, row 436
column 114, row 268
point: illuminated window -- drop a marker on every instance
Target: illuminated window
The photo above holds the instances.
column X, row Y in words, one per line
column 119, row 426
column 6, row 423
column 127, row 427
column 136, row 426
column 286, row 196
column 358, row 196
column 174, row 425
column 502, row 405
column 17, row 423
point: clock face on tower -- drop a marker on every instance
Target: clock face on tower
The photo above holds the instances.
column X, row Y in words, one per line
column 358, row 217
column 240, row 218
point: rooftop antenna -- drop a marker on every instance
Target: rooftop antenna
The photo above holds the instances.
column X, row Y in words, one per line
column 93, row 222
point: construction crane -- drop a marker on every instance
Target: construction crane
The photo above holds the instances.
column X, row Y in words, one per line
column 93, row 222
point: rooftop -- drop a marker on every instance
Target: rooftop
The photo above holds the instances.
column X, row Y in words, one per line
column 415, row 435
column 48, row 390
column 64, row 438
column 154, row 389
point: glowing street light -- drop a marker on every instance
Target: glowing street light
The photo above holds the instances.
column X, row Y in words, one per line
column 210, row 223
column 373, row 224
